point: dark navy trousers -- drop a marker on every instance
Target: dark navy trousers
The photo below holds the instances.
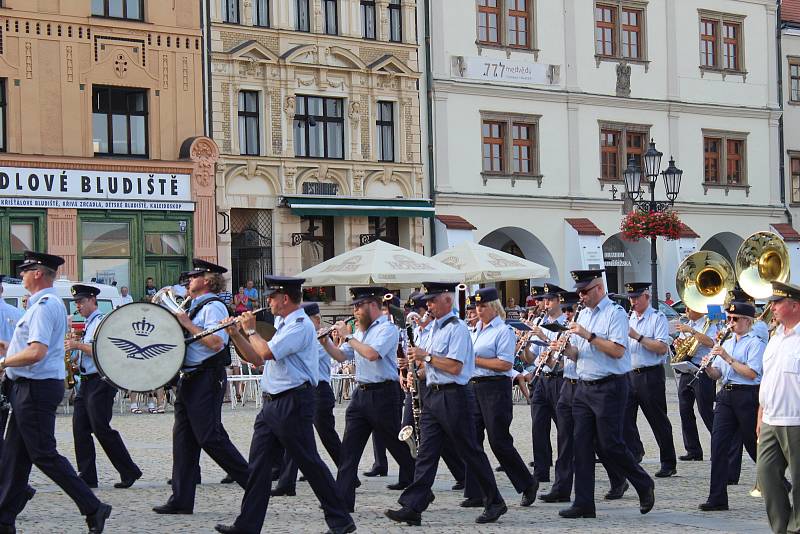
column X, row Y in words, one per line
column 198, row 426
column 565, row 468
column 380, row 463
column 701, row 392
column 325, row 425
column 598, row 413
column 30, row 440
column 648, row 392
column 447, row 414
column 735, row 414
column 373, row 409
column 544, row 399
column 286, row 423
column 93, row 408
column 493, row 410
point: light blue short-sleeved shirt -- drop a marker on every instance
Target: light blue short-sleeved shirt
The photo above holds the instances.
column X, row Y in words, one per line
column 702, row 350
column 609, row 321
column 450, row 341
column 324, row 374
column 494, row 340
column 421, row 334
column 211, row 315
column 748, row 349
column 45, row 322
column 296, row 356
column 651, row 324
column 86, row 361
column 383, row 337
column 761, row 330
column 9, row 316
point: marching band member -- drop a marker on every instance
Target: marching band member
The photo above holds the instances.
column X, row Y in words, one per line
column 373, row 407
column 600, row 351
column 737, row 364
column 291, row 365
column 199, row 394
column 778, row 425
column 493, row 406
column 34, row 362
column 649, row 344
column 94, row 403
column 449, row 364
column 9, row 316
column 701, row 390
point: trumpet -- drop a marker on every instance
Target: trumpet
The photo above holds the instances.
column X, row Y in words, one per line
column 325, row 332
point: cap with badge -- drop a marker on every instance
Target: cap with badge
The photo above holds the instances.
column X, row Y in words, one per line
column 82, row 291
column 738, row 295
column 183, row 279
column 782, row 290
column 34, row 259
column 741, row 309
column 586, row 277
column 416, row 301
column 311, row 308
column 282, row 284
column 568, row 298
column 636, row 289
column 360, row 294
column 550, row 291
column 486, row 294
column 432, row 289
column 536, row 291
column 470, row 303
column 201, row 266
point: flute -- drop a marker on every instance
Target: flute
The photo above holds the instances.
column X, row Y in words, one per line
column 214, row 329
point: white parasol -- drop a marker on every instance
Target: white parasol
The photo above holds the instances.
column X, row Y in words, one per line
column 481, row 264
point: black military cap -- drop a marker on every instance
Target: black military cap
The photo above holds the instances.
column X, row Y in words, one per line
column 82, row 291
column 416, row 301
column 34, row 259
column 537, row 291
column 781, row 290
column 202, row 266
column 183, row 278
column 568, row 298
column 360, row 294
column 282, row 284
column 311, row 308
column 741, row 309
column 470, row 303
column 635, row 289
column 550, row 291
column 586, row 277
column 486, row 294
column 432, row 289
column 739, row 295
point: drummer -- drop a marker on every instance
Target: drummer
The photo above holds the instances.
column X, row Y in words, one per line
column 94, row 403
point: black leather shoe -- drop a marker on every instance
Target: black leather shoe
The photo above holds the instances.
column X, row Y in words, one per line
column 553, row 497
column 228, row 529
column 499, row 468
column 283, row 492
column 472, row 502
column 92, row 485
column 405, row 515
column 530, row 464
column 573, row 512
column 97, row 521
column 303, row 479
column 492, row 513
column 168, row 509
column 7, row 529
column 342, row 530
column 647, row 501
column 665, row 472
column 227, row 480
column 709, row 507
column 617, row 493
column 690, row 458
column 529, row 495
column 127, row 482
column 375, row 473
column 458, row 486
column 276, row 475
column 397, row 487
column 732, row 483
column 358, row 482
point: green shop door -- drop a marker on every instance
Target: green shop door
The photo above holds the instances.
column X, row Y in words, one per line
column 164, row 272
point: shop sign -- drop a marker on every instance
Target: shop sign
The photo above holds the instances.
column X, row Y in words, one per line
column 503, row 70
column 616, row 259
column 94, row 189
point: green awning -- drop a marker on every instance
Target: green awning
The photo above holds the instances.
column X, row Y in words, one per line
column 359, row 207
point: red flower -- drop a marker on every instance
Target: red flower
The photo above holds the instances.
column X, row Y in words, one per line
column 637, row 225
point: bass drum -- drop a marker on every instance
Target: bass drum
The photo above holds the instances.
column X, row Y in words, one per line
column 139, row 347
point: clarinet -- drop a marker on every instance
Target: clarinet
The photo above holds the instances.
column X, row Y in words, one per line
column 722, row 337
column 410, row 433
column 527, row 335
column 559, row 356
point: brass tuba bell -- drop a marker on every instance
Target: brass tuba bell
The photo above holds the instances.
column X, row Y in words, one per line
column 762, row 259
column 166, row 297
column 704, row 278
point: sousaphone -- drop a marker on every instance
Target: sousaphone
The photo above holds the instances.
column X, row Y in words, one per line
column 704, row 278
column 762, row 259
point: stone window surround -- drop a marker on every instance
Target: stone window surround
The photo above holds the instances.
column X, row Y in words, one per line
column 793, row 154
column 725, row 136
column 720, row 18
column 532, row 25
column 643, row 55
column 263, row 117
column 623, row 128
column 791, row 61
column 509, row 119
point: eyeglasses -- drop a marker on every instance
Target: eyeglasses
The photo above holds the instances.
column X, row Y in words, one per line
column 735, row 319
column 582, row 292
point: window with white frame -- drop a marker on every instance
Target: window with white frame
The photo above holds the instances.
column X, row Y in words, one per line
column 619, row 29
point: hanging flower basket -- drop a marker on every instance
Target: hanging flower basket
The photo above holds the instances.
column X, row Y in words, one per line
column 638, row 225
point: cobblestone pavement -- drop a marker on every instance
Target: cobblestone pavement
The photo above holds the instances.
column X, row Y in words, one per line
column 148, row 438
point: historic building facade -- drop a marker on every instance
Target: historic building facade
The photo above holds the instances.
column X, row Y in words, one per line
column 315, row 107
column 102, row 158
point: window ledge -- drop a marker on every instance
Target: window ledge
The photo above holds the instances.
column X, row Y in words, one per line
column 723, row 72
column 726, row 187
column 794, row 204
column 512, row 177
column 508, row 49
column 793, row 102
column 604, row 182
column 598, row 59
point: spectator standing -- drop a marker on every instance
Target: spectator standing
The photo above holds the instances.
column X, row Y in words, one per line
column 149, row 288
column 252, row 295
column 668, row 300
column 125, row 297
column 240, row 301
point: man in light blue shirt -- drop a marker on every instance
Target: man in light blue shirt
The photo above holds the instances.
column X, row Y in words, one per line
column 373, row 408
column 9, row 315
column 649, row 345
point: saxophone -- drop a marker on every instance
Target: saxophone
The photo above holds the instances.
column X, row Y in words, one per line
column 410, row 433
column 686, row 347
column 69, row 365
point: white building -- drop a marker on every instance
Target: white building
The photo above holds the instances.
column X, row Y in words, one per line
column 790, row 98
column 538, row 104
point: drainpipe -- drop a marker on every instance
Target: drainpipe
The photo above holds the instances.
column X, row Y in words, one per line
column 429, row 118
column 781, row 140
column 205, row 17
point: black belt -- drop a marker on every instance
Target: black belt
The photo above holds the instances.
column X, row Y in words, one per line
column 553, row 375
column 91, row 376
column 599, row 381
column 376, row 385
column 731, row 387
column 440, row 387
column 479, row 379
column 572, row 380
column 271, row 397
column 640, row 370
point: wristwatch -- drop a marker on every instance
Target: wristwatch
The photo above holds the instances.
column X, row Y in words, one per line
column 641, row 337
column 250, row 331
column 348, row 337
column 592, row 336
column 428, row 358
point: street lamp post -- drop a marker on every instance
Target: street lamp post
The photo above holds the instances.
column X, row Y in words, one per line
column 633, row 188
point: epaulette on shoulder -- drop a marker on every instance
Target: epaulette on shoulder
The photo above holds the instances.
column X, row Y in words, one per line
column 299, row 319
column 44, row 299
